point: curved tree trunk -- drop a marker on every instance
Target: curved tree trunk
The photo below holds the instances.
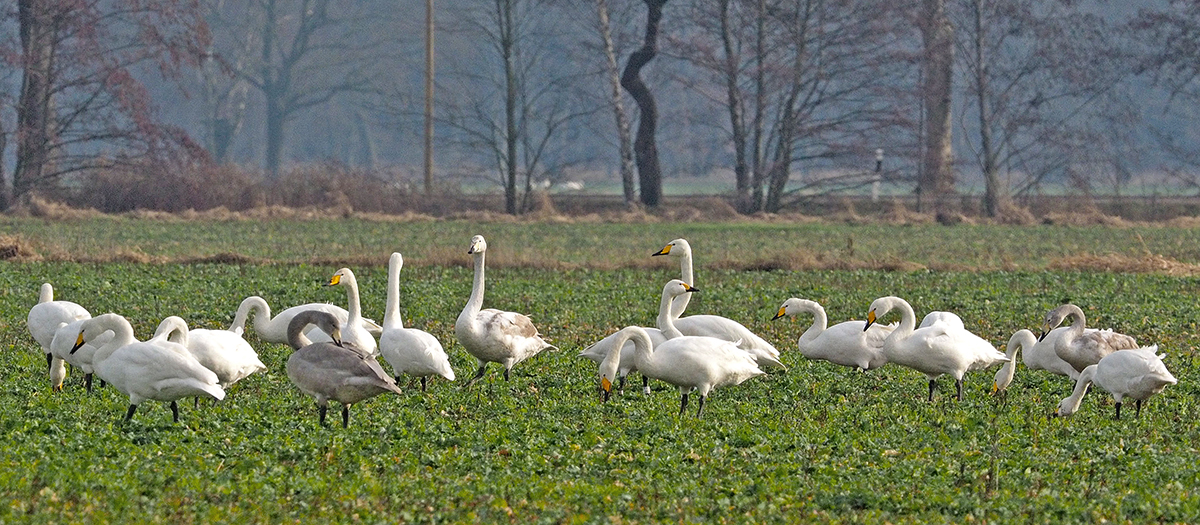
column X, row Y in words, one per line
column 644, row 148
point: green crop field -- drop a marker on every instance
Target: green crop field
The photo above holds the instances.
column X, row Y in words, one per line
column 816, row 443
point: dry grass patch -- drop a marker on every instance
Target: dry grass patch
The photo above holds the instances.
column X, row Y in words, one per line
column 1126, row 264
column 14, row 247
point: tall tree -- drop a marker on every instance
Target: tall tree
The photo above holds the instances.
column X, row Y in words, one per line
column 613, row 73
column 645, row 147
column 299, row 54
column 78, row 87
column 936, row 182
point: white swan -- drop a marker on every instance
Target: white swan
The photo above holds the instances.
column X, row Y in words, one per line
column 224, row 352
column 599, row 350
column 1079, row 347
column 712, row 325
column 698, row 364
column 161, row 371
column 1136, row 373
column 44, row 320
column 274, row 329
column 328, row 371
column 494, row 336
column 948, row 318
column 409, row 350
column 60, row 349
column 1037, row 355
column 848, row 343
column 765, row 354
column 934, row 350
column 352, row 329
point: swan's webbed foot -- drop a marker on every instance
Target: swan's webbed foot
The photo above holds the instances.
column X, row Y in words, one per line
column 175, row 411
column 129, row 413
column 345, row 416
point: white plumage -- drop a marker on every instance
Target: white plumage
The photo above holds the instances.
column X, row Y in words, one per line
column 848, row 343
column 1078, row 346
column 1134, row 373
column 409, row 350
column 1037, row 355
column 939, row 349
column 224, row 352
column 353, row 331
column 274, row 329
column 45, row 318
column 81, row 358
column 494, row 336
column 693, row 364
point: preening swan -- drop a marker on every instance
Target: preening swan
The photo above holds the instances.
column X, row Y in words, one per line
column 328, row 371
column 599, row 350
column 161, row 371
column 708, row 326
column 224, row 352
column 352, row 329
column 409, row 350
column 274, row 329
column 1136, row 373
column 698, row 364
column 81, row 358
column 1079, row 347
column 1037, row 355
column 46, row 317
column 712, row 325
column 848, row 343
column 949, row 318
column 494, row 336
column 935, row 350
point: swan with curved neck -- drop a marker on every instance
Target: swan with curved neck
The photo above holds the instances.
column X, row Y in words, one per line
column 1037, row 355
column 45, row 318
column 847, row 343
column 1080, row 347
column 224, row 352
column 353, row 332
column 934, row 350
column 60, row 348
column 160, row 371
column 328, row 371
column 693, row 364
column 711, row 326
column 274, row 329
column 494, row 336
column 409, row 350
column 1134, row 373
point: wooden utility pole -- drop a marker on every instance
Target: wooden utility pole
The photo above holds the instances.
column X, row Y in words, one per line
column 428, row 97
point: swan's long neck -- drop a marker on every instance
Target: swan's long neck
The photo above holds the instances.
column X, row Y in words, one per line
column 819, row 324
column 666, row 321
column 354, row 308
column 251, row 304
column 475, row 303
column 122, row 335
column 680, row 303
column 1071, row 403
column 1077, row 322
column 1020, row 342
column 391, row 316
column 46, row 293
column 173, row 329
column 908, row 320
column 642, row 345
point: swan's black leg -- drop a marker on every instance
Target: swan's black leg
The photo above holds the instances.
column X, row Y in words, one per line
column 701, row 409
column 932, row 385
column 506, row 374
column 682, row 405
column 1118, row 410
column 129, row 413
column 345, row 416
column 958, row 385
column 87, row 382
column 397, row 379
column 102, row 383
column 175, row 411
column 321, row 410
column 1139, row 409
column 478, row 374
column 196, row 403
column 49, row 361
column 424, row 382
column 645, row 385
column 621, row 385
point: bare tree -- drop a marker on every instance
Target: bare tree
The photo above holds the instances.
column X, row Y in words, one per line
column 78, row 88
column 1165, row 41
column 644, row 147
column 299, row 54
column 936, row 180
column 613, row 74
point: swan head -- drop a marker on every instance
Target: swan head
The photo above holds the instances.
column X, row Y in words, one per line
column 1054, row 318
column 879, row 308
column 91, row 329
column 676, row 287
column 792, row 307
column 340, row 276
column 323, row 320
column 478, row 245
column 677, row 247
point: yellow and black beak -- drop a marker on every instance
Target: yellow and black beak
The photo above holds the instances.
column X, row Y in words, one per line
column 78, row 342
column 606, row 387
column 781, row 313
column 666, row 250
column 870, row 320
column 689, row 288
column 336, row 336
column 335, row 280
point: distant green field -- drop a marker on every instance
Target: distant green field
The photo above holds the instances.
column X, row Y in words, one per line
column 816, row 443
